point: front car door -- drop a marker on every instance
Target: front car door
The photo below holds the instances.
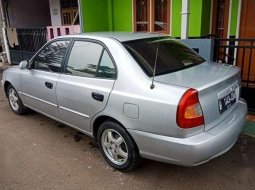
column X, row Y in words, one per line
column 38, row 83
column 84, row 87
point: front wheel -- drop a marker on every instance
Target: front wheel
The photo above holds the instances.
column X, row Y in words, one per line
column 117, row 147
column 15, row 101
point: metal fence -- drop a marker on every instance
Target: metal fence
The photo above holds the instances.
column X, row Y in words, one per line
column 30, row 40
column 239, row 52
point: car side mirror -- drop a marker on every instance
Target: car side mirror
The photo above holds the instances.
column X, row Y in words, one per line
column 23, row 64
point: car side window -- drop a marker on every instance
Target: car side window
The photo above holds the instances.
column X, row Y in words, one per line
column 89, row 59
column 84, row 58
column 106, row 68
column 51, row 57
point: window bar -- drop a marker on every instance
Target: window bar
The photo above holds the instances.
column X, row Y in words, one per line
column 249, row 67
column 242, row 68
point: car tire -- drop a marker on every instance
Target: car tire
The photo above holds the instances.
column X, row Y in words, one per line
column 15, row 101
column 117, row 146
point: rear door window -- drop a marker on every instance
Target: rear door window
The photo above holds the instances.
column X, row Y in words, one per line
column 89, row 59
column 84, row 58
column 106, row 68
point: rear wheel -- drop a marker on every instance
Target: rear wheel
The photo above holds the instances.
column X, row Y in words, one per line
column 117, row 147
column 15, row 101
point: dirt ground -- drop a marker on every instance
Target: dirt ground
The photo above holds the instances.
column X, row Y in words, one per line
column 39, row 153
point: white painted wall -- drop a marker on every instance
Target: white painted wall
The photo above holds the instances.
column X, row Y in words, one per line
column 55, row 12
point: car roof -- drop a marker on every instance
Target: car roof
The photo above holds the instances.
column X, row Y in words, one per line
column 120, row 36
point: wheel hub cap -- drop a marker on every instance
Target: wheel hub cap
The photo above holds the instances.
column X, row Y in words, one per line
column 14, row 100
column 114, row 146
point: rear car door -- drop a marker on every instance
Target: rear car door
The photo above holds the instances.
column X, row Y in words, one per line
column 84, row 87
column 38, row 83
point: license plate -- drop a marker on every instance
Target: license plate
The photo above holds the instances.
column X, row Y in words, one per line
column 227, row 101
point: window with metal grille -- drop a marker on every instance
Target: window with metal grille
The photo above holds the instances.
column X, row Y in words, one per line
column 142, row 8
column 152, row 15
column 69, row 12
column 221, row 6
column 161, row 15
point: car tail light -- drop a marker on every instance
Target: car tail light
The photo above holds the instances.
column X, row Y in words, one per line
column 189, row 111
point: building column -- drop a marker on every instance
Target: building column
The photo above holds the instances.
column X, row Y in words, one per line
column 185, row 19
column 55, row 12
column 80, row 15
column 6, row 45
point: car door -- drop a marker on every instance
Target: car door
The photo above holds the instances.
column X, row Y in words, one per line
column 38, row 82
column 84, row 87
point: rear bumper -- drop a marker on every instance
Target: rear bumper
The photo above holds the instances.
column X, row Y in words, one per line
column 193, row 150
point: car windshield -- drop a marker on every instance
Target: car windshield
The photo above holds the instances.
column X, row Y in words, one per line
column 172, row 55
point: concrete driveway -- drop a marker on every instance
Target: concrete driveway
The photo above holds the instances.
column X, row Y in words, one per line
column 39, row 153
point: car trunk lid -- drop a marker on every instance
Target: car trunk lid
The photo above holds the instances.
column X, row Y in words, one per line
column 218, row 86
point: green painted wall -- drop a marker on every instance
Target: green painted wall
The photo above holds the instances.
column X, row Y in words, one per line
column 206, row 15
column 176, row 17
column 122, row 15
column 195, row 24
column 95, row 15
column 195, row 18
column 107, row 15
column 110, row 8
column 234, row 14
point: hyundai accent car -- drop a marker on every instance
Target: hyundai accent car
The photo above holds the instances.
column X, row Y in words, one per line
column 141, row 95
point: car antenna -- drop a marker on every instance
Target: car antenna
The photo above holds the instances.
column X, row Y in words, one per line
column 156, row 57
column 155, row 63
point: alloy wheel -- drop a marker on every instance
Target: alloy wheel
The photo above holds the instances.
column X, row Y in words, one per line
column 14, row 99
column 114, row 146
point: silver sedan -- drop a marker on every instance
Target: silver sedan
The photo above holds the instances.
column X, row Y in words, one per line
column 140, row 95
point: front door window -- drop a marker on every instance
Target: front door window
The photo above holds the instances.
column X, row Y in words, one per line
column 51, row 57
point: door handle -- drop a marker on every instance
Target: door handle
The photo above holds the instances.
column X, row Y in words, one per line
column 49, row 85
column 97, row 96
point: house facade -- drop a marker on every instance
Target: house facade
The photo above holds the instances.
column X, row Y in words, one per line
column 206, row 18
column 221, row 18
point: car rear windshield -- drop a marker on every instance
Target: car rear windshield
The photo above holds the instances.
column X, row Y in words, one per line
column 172, row 55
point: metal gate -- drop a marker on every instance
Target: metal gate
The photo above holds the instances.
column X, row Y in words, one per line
column 29, row 40
column 239, row 52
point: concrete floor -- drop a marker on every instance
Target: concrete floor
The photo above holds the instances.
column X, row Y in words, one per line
column 39, row 153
